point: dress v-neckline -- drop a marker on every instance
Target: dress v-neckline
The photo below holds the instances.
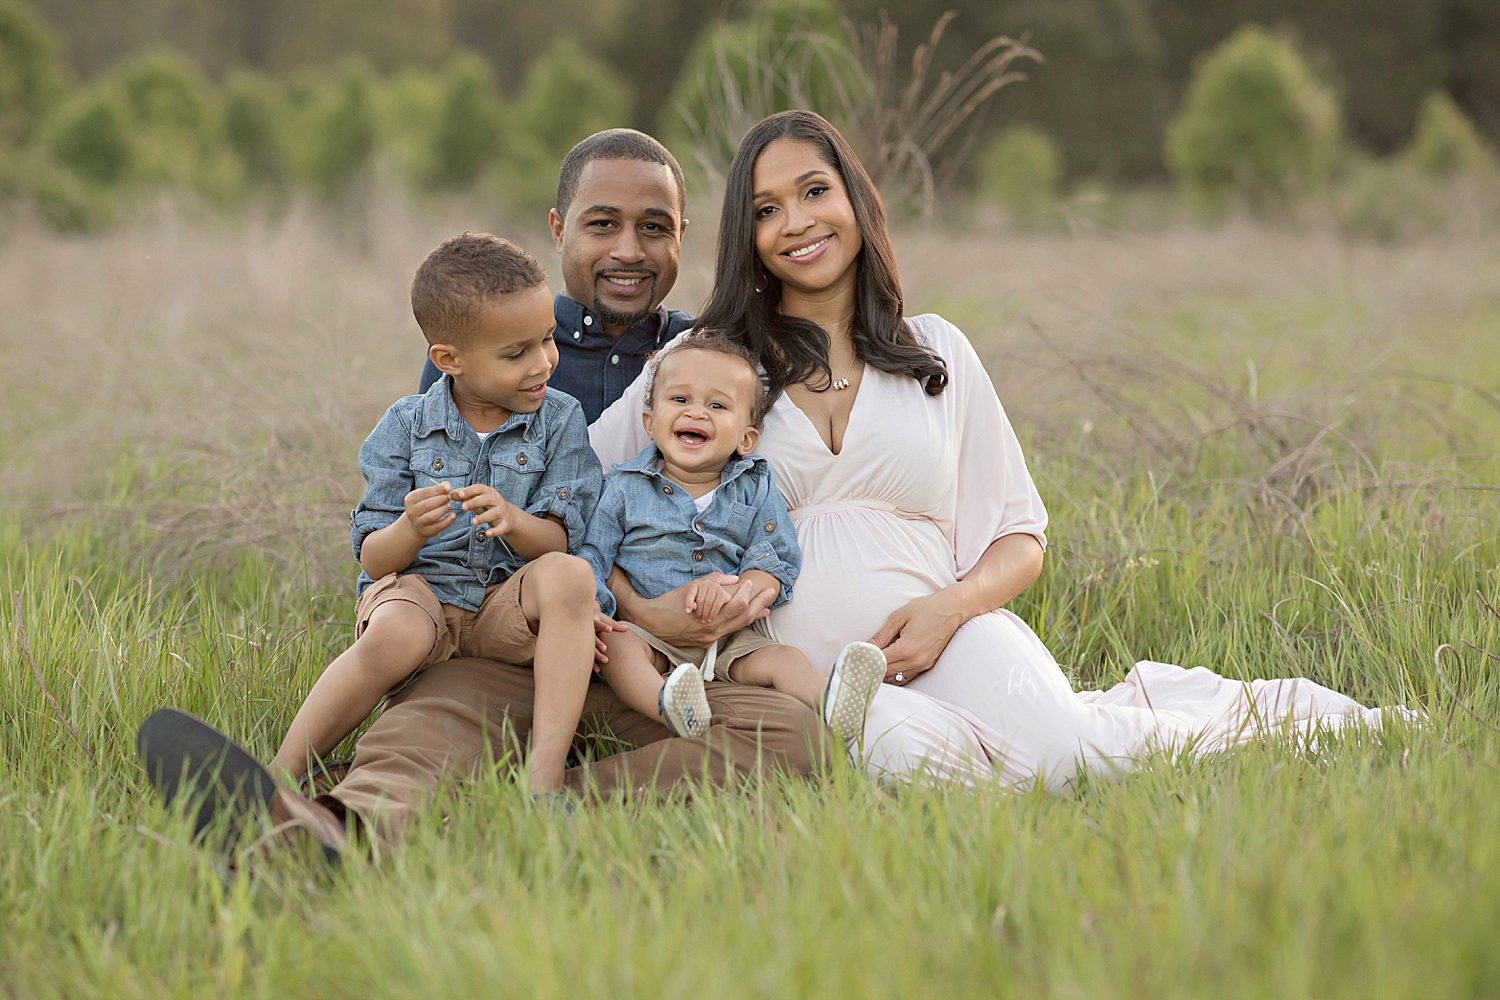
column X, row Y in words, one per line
column 813, row 428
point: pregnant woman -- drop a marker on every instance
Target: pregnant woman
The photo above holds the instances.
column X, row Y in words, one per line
column 917, row 518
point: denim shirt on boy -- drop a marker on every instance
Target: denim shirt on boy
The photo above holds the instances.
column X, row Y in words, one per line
column 539, row 461
column 647, row 525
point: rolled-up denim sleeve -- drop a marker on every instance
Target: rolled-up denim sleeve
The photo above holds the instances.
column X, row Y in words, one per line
column 775, row 548
column 569, row 490
column 385, row 462
column 601, row 543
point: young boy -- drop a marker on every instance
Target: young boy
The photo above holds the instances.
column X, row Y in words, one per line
column 477, row 490
column 694, row 502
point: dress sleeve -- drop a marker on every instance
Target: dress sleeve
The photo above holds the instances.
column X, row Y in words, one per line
column 995, row 495
column 618, row 435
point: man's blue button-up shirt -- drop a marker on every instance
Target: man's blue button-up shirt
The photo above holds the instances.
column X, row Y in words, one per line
column 593, row 367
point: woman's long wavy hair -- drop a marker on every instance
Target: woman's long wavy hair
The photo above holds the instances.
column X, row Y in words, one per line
column 796, row 350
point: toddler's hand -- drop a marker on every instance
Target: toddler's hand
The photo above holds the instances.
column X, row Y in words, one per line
column 603, row 623
column 492, row 509
column 427, row 509
column 704, row 599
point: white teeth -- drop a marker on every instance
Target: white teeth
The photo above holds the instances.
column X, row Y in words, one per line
column 807, row 249
column 627, row 281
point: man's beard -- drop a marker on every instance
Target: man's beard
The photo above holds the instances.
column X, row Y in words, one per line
column 613, row 317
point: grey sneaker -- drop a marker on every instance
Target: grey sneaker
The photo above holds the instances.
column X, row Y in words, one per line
column 683, row 702
column 852, row 683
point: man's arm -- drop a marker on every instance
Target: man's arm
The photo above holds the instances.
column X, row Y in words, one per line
column 665, row 618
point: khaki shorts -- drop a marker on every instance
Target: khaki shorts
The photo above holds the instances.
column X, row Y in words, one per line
column 497, row 631
column 731, row 648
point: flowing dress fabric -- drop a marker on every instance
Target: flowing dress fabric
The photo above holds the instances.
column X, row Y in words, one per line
column 922, row 486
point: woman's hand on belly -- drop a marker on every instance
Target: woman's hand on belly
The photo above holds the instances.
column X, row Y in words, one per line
column 915, row 634
column 665, row 617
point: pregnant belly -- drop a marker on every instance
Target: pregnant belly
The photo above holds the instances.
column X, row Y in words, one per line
column 857, row 567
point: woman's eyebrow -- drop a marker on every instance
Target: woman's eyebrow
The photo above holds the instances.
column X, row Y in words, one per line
column 799, row 180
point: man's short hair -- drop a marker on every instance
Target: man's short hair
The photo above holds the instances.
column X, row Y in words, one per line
column 716, row 342
column 464, row 274
column 614, row 144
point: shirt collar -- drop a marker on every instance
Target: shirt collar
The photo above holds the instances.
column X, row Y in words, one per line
column 646, row 463
column 574, row 317
column 438, row 411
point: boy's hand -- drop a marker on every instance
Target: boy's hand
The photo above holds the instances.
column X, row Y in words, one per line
column 603, row 623
column 492, row 509
column 704, row 600
column 427, row 509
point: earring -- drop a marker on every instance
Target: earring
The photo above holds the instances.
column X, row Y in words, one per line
column 761, row 281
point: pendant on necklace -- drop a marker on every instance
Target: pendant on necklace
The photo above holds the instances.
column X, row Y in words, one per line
column 841, row 383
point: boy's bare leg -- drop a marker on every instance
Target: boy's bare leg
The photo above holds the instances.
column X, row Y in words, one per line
column 785, row 669
column 558, row 599
column 396, row 640
column 633, row 672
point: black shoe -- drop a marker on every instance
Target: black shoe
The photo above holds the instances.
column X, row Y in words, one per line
column 185, row 756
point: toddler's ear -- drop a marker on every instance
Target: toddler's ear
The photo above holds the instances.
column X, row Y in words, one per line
column 747, row 443
column 445, row 359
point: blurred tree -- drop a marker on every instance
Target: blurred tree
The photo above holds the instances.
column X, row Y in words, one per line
column 513, row 33
column 342, row 142
column 1255, row 123
column 33, row 77
column 92, row 138
column 254, row 130
column 1470, row 38
column 1446, row 141
column 1021, row 169
column 469, row 134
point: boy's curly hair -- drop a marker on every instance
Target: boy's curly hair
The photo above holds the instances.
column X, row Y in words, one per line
column 717, row 342
column 462, row 275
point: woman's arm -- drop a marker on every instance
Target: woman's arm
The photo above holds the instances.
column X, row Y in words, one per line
column 917, row 632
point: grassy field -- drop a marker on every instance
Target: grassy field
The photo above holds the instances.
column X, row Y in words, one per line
column 1265, row 452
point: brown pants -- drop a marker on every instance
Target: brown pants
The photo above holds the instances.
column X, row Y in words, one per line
column 456, row 716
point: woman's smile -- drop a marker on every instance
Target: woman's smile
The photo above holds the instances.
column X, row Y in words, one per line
column 808, row 250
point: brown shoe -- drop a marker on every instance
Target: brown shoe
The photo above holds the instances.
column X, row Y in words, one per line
column 183, row 755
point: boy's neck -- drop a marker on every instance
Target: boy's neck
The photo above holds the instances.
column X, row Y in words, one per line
column 695, row 483
column 480, row 414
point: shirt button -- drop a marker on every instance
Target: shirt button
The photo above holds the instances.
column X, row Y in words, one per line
column 614, row 359
column 521, row 459
column 437, row 466
column 770, row 526
column 479, row 533
column 666, row 489
column 697, row 556
column 697, row 526
column 577, row 334
column 564, row 493
column 588, row 321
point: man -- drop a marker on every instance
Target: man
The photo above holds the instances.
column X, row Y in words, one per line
column 618, row 226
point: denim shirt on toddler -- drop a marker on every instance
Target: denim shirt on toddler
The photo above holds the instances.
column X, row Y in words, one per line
column 539, row 461
column 649, row 527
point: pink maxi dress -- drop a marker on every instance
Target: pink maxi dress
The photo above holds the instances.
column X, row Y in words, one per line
column 922, row 486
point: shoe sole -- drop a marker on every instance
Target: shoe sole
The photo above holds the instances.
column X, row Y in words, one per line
column 183, row 755
column 860, row 669
column 684, row 703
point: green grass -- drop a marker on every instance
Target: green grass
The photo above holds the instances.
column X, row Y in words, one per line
column 1339, row 523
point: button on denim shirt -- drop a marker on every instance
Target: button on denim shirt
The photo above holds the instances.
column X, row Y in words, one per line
column 539, row 461
column 647, row 525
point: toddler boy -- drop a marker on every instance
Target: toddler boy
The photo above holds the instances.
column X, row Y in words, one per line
column 694, row 502
column 477, row 491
